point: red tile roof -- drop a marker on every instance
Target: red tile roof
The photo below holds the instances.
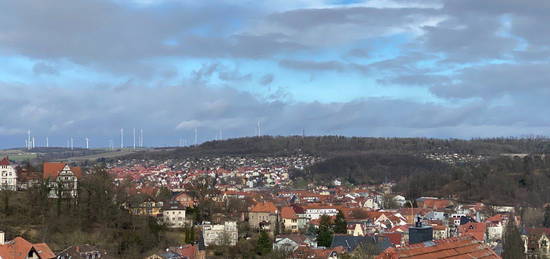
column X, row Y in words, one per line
column 288, row 213
column 187, row 251
column 476, row 230
column 497, row 218
column 395, row 237
column 264, row 207
column 19, row 248
column 51, row 170
column 435, row 203
column 5, row 161
column 451, row 248
column 43, row 250
column 317, row 253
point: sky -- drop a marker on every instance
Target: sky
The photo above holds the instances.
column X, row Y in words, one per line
column 373, row 68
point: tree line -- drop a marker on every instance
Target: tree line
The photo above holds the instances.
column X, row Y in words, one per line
column 329, row 146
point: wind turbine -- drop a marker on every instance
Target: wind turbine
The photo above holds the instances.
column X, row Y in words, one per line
column 121, row 138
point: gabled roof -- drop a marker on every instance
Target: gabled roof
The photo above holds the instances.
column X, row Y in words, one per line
column 538, row 231
column 316, row 253
column 350, row 243
column 19, row 248
column 264, row 207
column 186, row 251
column 5, row 161
column 394, row 237
column 497, row 218
column 75, row 251
column 43, row 250
column 298, row 238
column 451, row 248
column 476, row 230
column 173, row 206
column 288, row 213
column 51, row 170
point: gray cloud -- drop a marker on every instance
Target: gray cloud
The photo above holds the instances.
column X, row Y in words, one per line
column 234, row 76
column 357, row 53
column 485, row 61
column 43, row 68
column 100, row 112
column 313, row 65
column 225, row 73
column 518, row 81
column 416, row 80
column 267, row 79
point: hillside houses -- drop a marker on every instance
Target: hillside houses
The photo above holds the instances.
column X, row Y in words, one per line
column 264, row 216
column 8, row 175
column 248, row 196
column 62, row 178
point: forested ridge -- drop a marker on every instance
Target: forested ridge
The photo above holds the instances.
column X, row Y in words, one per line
column 498, row 179
column 505, row 180
column 328, row 146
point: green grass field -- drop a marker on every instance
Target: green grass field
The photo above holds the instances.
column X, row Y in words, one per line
column 18, row 155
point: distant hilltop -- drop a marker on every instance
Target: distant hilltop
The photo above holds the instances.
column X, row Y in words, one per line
column 326, row 146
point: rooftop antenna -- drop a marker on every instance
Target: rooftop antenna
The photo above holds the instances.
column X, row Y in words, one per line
column 134, row 138
column 121, row 138
column 196, row 140
column 87, row 143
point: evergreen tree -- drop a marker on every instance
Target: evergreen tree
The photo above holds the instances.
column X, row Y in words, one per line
column 513, row 244
column 311, row 230
column 192, row 235
column 264, row 245
column 546, row 222
column 324, row 237
column 340, row 224
column 187, row 235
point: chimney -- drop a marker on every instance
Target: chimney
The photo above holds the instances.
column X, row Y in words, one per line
column 418, row 222
column 2, row 236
